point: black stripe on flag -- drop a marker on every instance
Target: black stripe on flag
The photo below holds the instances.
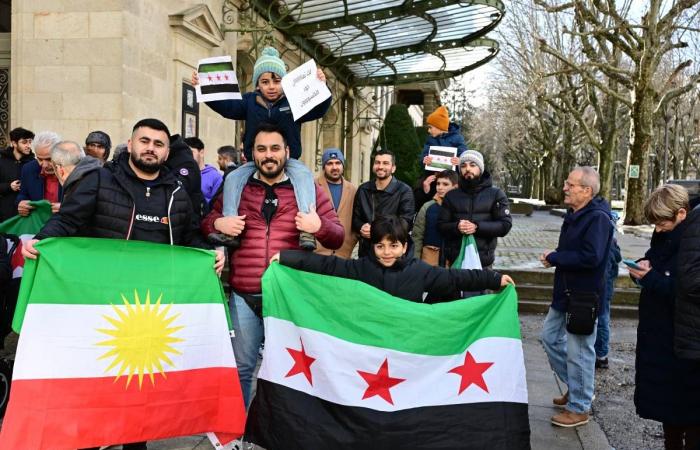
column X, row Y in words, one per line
column 218, row 88
column 281, row 418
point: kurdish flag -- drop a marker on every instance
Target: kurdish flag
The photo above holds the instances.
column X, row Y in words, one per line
column 120, row 341
column 468, row 257
column 25, row 227
column 347, row 366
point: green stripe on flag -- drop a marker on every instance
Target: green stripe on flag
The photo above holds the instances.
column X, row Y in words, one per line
column 84, row 271
column 30, row 224
column 359, row 313
column 215, row 67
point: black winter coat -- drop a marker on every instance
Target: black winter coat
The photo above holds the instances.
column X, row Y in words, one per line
column 370, row 203
column 408, row 278
column 103, row 205
column 183, row 166
column 10, row 170
column 667, row 388
column 687, row 319
column 482, row 204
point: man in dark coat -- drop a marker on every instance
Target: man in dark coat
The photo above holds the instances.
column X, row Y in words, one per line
column 38, row 180
column 383, row 196
column 182, row 164
column 12, row 159
column 136, row 198
column 687, row 315
column 581, row 260
column 477, row 208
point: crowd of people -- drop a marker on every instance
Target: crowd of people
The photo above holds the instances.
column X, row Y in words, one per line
column 262, row 205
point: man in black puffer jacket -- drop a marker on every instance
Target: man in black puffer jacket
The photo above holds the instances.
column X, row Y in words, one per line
column 137, row 197
column 477, row 208
column 687, row 314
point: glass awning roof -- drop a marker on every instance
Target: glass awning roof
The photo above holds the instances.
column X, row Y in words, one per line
column 374, row 42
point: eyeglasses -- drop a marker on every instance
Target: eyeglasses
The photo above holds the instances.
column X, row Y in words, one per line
column 570, row 185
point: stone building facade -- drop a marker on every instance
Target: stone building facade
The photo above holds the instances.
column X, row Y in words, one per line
column 82, row 65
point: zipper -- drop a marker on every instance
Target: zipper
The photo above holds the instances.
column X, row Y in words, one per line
column 131, row 222
column 148, row 192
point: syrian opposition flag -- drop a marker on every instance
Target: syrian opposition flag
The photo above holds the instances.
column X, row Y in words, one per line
column 217, row 80
column 347, row 366
column 468, row 257
column 24, row 228
column 120, row 341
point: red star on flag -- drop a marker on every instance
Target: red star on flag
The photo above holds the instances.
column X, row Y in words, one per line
column 209, row 76
column 472, row 372
column 379, row 383
column 302, row 363
column 218, row 76
column 225, row 77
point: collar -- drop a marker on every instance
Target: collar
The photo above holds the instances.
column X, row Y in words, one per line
column 284, row 178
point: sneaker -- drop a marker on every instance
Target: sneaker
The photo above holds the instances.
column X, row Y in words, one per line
column 224, row 239
column 561, row 401
column 307, row 241
column 569, row 419
column 601, row 363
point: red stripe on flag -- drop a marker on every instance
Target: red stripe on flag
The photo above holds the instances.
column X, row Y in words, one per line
column 59, row 414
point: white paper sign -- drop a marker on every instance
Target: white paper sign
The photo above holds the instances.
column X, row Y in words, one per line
column 441, row 158
column 303, row 89
column 217, row 80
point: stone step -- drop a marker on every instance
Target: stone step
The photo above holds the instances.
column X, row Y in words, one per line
column 541, row 307
column 546, row 277
column 621, row 296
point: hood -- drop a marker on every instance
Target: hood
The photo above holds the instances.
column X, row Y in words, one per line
column 7, row 153
column 597, row 204
column 453, row 128
column 483, row 182
column 86, row 165
column 208, row 169
column 180, row 153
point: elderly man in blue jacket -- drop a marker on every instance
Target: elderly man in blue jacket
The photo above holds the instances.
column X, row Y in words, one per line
column 581, row 260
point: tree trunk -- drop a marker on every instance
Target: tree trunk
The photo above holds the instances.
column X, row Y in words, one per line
column 642, row 133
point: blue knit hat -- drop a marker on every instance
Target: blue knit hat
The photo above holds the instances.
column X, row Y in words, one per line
column 332, row 153
column 269, row 61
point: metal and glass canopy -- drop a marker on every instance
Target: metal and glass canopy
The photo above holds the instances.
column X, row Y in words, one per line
column 390, row 42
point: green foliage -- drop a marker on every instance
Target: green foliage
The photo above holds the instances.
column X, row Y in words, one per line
column 399, row 136
column 422, row 134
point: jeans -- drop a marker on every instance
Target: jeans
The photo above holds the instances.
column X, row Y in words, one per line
column 602, row 340
column 248, row 335
column 300, row 176
column 572, row 358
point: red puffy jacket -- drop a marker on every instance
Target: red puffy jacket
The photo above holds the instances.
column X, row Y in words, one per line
column 260, row 242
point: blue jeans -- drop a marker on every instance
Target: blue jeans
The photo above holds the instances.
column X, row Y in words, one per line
column 602, row 340
column 248, row 335
column 299, row 175
column 572, row 358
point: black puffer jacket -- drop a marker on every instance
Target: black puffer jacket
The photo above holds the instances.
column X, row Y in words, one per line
column 183, row 166
column 687, row 318
column 86, row 165
column 482, row 204
column 666, row 387
column 370, row 203
column 10, row 170
column 103, row 205
column 408, row 278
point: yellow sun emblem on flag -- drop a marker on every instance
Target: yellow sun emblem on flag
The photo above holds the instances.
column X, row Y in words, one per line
column 141, row 338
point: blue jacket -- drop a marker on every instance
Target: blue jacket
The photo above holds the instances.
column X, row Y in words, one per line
column 453, row 138
column 582, row 255
column 254, row 109
column 32, row 183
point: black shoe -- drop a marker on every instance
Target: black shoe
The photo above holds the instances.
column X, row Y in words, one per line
column 307, row 241
column 224, row 239
column 601, row 363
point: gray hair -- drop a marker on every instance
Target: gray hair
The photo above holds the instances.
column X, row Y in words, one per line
column 66, row 153
column 590, row 178
column 45, row 139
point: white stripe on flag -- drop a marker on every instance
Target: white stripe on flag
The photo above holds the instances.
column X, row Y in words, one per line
column 59, row 341
column 428, row 379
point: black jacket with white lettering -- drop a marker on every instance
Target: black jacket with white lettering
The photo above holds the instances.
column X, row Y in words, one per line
column 103, row 205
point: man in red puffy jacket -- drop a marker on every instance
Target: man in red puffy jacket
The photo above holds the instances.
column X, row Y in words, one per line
column 269, row 222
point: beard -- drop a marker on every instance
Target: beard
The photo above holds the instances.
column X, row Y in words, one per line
column 147, row 167
column 333, row 177
column 471, row 182
column 275, row 171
